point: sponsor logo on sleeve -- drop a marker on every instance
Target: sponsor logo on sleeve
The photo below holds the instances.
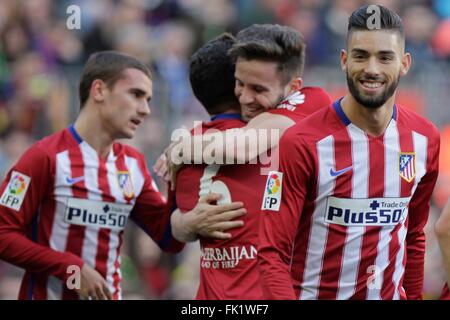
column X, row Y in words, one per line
column 15, row 191
column 272, row 192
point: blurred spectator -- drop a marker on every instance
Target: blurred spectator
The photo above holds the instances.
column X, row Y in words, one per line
column 441, row 40
column 419, row 23
column 442, row 8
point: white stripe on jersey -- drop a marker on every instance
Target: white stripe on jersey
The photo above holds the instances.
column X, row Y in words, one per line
column 318, row 235
column 91, row 166
column 420, row 143
column 391, row 190
column 60, row 230
column 352, row 251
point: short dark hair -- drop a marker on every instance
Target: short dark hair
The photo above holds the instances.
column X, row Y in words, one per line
column 211, row 74
column 389, row 20
column 108, row 67
column 275, row 43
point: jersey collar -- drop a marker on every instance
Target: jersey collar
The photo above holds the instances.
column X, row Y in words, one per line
column 338, row 108
column 75, row 134
column 226, row 116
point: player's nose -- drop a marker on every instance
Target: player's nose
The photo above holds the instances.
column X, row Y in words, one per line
column 144, row 109
column 246, row 97
column 372, row 67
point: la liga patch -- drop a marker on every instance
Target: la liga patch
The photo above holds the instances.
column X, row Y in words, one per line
column 272, row 192
column 15, row 191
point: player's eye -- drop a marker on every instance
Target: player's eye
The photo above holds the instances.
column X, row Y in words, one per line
column 138, row 94
column 386, row 58
column 258, row 89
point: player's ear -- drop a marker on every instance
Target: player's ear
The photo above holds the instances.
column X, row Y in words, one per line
column 98, row 90
column 406, row 64
column 344, row 60
column 296, row 84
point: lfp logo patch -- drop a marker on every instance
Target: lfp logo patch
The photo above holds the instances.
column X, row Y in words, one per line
column 17, row 185
column 15, row 192
column 272, row 192
column 407, row 165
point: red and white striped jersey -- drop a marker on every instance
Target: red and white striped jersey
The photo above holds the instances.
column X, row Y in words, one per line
column 344, row 217
column 62, row 206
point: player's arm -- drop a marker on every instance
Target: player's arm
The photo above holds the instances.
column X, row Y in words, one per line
column 207, row 220
column 170, row 228
column 261, row 134
column 152, row 214
column 418, row 215
column 240, row 145
column 278, row 225
column 442, row 230
column 18, row 220
column 233, row 146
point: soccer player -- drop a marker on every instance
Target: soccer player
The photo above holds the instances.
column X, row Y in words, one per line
column 224, row 263
column 271, row 68
column 269, row 64
column 355, row 180
column 442, row 230
column 65, row 203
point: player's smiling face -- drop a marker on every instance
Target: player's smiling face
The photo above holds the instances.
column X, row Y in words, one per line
column 374, row 62
column 126, row 104
column 258, row 87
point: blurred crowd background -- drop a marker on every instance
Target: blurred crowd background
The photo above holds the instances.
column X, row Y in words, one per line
column 41, row 61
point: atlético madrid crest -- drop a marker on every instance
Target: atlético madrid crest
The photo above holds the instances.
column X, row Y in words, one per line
column 125, row 184
column 407, row 165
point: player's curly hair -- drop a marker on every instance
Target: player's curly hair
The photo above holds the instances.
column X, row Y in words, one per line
column 211, row 74
column 274, row 43
column 108, row 67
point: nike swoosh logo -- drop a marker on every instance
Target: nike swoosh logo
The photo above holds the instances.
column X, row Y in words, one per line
column 338, row 173
column 74, row 180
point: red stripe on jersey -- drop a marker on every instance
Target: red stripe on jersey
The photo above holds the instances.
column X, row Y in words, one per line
column 372, row 234
column 76, row 233
column 388, row 289
column 101, row 258
column 301, row 245
column 337, row 234
column 39, row 287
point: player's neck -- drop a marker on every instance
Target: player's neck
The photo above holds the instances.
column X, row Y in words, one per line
column 90, row 131
column 372, row 121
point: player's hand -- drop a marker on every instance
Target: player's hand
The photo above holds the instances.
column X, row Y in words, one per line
column 209, row 220
column 93, row 285
column 160, row 168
